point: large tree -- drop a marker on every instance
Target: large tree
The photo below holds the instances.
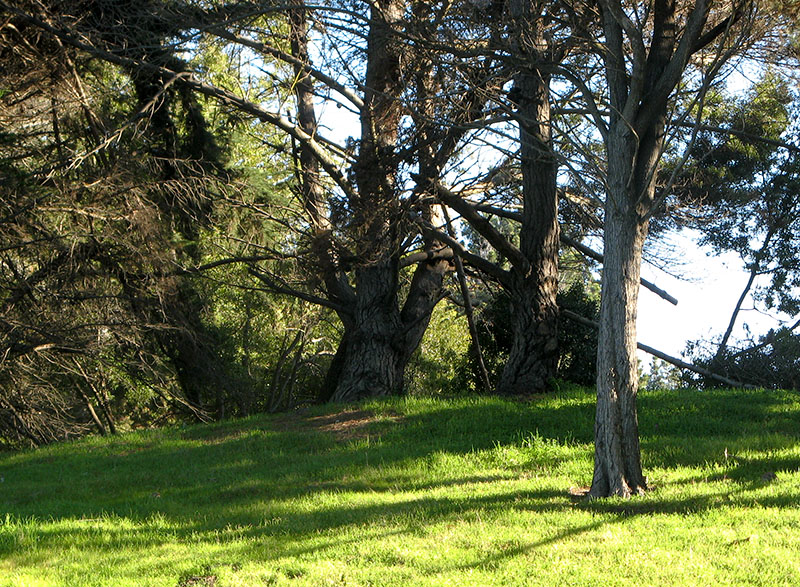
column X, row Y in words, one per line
column 534, row 36
column 89, row 294
column 363, row 279
column 648, row 50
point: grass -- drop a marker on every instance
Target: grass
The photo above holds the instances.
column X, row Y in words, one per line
column 471, row 491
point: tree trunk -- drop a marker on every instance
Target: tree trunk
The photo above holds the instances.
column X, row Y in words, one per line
column 617, row 466
column 533, row 360
column 380, row 338
column 640, row 83
column 426, row 290
column 371, row 361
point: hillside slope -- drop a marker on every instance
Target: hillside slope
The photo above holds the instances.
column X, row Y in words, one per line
column 472, row 491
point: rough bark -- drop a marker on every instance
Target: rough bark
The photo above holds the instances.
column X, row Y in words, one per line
column 376, row 342
column 533, row 360
column 382, row 337
column 371, row 362
column 618, row 469
column 630, row 189
column 640, row 82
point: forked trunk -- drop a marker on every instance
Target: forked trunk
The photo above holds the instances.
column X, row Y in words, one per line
column 379, row 338
column 370, row 365
column 640, row 83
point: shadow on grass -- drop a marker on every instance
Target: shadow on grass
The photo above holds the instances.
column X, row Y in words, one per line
column 243, row 480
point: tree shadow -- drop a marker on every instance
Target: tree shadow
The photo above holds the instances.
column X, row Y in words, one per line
column 243, row 479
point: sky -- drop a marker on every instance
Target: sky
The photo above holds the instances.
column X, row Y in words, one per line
column 707, row 291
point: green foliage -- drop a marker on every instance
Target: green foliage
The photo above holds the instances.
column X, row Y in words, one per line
column 577, row 342
column 744, row 190
column 495, row 336
column 438, row 363
column 469, row 491
column 276, row 348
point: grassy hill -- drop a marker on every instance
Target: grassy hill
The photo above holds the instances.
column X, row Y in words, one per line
column 472, row 491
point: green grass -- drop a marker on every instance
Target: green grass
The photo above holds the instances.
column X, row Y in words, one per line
column 473, row 491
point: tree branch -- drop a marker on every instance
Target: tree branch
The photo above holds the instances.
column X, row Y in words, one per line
column 485, row 228
column 186, row 78
column 580, row 247
column 354, row 98
column 427, row 255
column 664, row 356
column 276, row 287
column 476, row 261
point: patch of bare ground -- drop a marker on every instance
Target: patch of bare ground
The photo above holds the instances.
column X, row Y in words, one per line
column 579, row 492
column 345, row 425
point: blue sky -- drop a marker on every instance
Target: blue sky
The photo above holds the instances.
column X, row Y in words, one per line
column 707, row 292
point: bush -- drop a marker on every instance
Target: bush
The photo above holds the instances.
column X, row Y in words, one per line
column 438, row 365
column 773, row 363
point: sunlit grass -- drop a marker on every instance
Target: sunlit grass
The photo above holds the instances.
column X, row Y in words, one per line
column 472, row 491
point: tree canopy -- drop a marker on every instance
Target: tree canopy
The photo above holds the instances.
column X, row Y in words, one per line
column 209, row 206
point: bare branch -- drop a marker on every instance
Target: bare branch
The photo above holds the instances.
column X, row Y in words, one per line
column 186, row 78
column 283, row 288
column 354, row 98
column 485, row 228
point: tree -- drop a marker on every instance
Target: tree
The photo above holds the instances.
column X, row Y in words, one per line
column 533, row 359
column 84, row 253
column 646, row 52
column 751, row 204
column 379, row 335
column 740, row 189
column 116, row 176
column 530, row 32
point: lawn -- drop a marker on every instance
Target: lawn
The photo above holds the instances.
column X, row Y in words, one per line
column 468, row 491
